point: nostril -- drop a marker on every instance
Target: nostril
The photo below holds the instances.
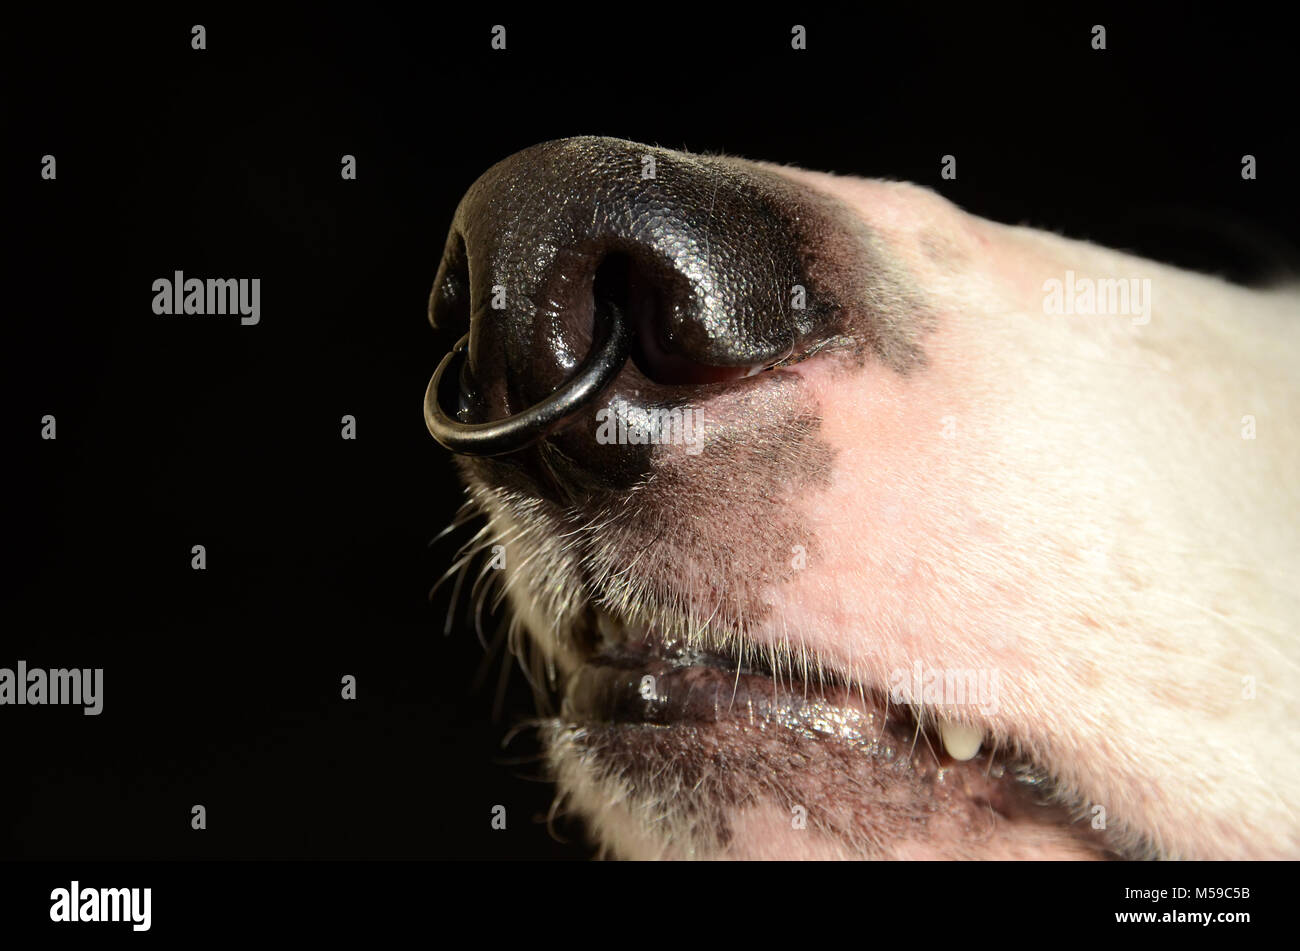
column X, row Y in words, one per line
column 696, row 271
column 646, row 295
column 450, row 310
column 449, row 304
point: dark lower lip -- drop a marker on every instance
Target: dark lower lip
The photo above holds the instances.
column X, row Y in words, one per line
column 631, row 691
column 641, row 688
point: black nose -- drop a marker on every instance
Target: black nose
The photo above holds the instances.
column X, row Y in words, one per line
column 589, row 268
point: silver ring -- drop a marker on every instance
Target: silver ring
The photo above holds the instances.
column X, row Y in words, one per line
column 512, row 433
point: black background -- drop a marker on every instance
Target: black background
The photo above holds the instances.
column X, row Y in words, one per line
column 222, row 686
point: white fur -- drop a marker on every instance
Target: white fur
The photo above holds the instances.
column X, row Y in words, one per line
column 1066, row 498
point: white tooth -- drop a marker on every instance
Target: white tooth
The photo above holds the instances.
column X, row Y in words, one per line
column 961, row 741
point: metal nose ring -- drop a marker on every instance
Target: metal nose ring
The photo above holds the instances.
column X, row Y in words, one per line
column 512, row 433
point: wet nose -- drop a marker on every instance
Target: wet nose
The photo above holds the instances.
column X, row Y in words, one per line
column 588, row 267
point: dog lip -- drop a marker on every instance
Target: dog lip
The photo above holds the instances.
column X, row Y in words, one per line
column 639, row 687
column 641, row 682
